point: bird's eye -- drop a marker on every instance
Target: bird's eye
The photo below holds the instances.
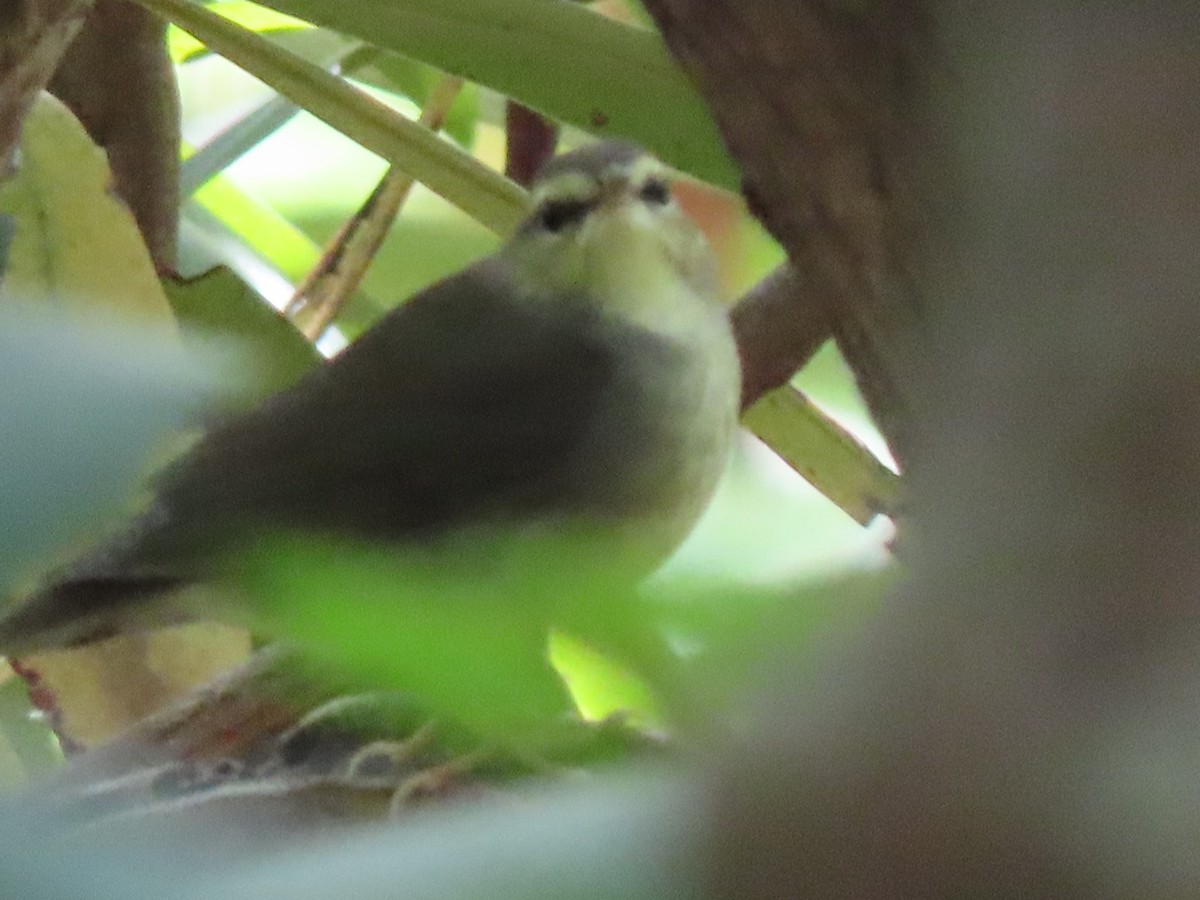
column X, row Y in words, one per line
column 655, row 192
column 556, row 215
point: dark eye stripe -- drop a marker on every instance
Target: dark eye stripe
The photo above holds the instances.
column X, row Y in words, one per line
column 555, row 215
column 655, row 191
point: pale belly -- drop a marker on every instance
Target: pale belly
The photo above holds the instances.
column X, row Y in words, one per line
column 657, row 454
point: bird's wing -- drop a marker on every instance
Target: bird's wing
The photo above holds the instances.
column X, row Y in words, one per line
column 464, row 403
column 472, row 403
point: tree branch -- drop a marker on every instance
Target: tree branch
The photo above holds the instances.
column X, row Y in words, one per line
column 815, row 102
column 34, row 35
column 1020, row 721
column 119, row 81
column 779, row 326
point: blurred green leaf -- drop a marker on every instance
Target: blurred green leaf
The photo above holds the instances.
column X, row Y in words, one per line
column 85, row 400
column 608, row 838
column 830, row 458
column 27, row 746
column 486, row 195
column 219, row 304
column 559, row 58
column 463, row 625
column 85, row 404
column 422, row 622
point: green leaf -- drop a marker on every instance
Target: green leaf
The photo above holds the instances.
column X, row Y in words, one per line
column 85, row 406
column 219, row 304
column 825, row 454
column 182, row 46
column 485, row 195
column 599, row 686
column 73, row 244
column 414, row 80
column 265, row 231
column 472, row 648
column 27, row 747
column 362, row 62
column 561, row 59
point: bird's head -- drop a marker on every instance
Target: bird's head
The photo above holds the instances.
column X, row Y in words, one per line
column 605, row 225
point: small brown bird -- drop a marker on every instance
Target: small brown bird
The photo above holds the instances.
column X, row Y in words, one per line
column 582, row 380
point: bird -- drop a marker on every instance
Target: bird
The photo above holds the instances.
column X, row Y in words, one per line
column 583, row 379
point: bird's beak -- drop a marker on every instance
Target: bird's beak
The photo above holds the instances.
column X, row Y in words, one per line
column 614, row 191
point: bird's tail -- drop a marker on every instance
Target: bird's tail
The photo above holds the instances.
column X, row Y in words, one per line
column 80, row 611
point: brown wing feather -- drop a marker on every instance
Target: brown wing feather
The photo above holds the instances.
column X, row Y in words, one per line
column 465, row 403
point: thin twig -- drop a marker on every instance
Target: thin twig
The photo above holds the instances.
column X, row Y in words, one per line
column 321, row 298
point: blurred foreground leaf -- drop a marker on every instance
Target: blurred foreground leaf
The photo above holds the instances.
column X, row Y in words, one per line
column 614, row 838
column 623, row 838
column 87, row 404
column 469, row 647
column 463, row 625
column 83, row 410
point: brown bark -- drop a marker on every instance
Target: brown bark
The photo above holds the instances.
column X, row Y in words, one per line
column 816, row 103
column 531, row 139
column 118, row 79
column 34, row 35
column 1020, row 721
column 779, row 326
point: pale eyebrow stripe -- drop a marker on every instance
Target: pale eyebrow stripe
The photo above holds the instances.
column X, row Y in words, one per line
column 568, row 186
column 646, row 167
column 581, row 188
